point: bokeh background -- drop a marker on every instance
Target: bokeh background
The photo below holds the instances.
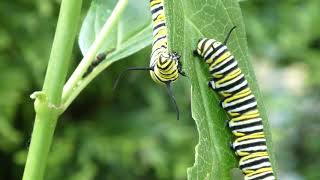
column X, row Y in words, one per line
column 133, row 134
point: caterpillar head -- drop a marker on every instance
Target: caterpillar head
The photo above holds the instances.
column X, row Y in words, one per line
column 165, row 71
column 206, row 45
column 175, row 56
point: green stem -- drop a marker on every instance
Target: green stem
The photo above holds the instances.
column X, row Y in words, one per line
column 47, row 103
column 76, row 76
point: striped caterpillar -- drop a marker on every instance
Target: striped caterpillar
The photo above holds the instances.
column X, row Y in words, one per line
column 165, row 66
column 241, row 106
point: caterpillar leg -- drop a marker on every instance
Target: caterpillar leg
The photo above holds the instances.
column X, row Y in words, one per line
column 195, row 53
column 231, row 146
column 221, row 103
column 212, row 84
column 181, row 72
column 226, row 123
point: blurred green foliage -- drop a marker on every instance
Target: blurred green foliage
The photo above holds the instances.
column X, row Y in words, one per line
column 286, row 34
column 133, row 134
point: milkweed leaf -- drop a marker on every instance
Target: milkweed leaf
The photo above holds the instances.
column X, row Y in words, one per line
column 187, row 22
column 132, row 33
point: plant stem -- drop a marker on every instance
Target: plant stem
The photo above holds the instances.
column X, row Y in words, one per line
column 47, row 103
column 72, row 83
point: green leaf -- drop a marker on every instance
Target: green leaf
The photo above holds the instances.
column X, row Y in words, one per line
column 187, row 22
column 132, row 33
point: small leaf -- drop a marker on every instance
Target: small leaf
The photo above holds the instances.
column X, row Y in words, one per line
column 132, row 33
column 188, row 21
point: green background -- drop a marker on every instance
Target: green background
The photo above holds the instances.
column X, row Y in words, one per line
column 133, row 134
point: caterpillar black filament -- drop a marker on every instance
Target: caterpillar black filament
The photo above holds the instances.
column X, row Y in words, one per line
column 241, row 106
column 165, row 66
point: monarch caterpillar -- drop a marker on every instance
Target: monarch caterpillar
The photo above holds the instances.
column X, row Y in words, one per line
column 165, row 66
column 240, row 104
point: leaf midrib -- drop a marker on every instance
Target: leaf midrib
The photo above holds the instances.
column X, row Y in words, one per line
column 113, row 56
column 204, row 100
